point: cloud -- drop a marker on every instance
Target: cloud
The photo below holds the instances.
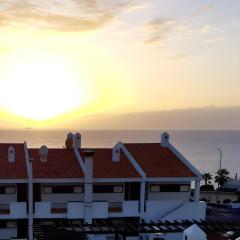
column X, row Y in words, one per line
column 179, row 57
column 156, row 29
column 207, row 8
column 208, row 29
column 159, row 29
column 64, row 15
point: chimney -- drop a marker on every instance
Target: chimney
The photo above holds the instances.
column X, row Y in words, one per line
column 116, row 153
column 88, row 185
column 43, row 152
column 165, row 139
column 11, row 154
column 77, row 140
column 69, row 141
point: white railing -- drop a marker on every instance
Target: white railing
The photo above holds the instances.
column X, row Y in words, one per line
column 13, row 210
column 123, row 209
column 175, row 210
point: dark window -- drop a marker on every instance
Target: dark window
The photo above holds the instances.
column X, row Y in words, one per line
column 3, row 224
column 107, row 189
column 2, row 190
column 170, row 188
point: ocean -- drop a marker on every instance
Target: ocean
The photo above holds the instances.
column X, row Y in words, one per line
column 199, row 146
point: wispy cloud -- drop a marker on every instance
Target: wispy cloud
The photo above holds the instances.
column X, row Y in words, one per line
column 159, row 29
column 208, row 29
column 69, row 15
column 178, row 57
column 156, row 29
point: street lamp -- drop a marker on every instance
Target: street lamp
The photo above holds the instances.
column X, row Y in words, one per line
column 220, row 168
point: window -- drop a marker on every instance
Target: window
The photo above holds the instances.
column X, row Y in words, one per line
column 11, row 224
column 78, row 189
column 7, row 190
column 47, row 190
column 155, row 188
column 118, row 189
column 107, row 189
column 62, row 189
column 169, row 188
column 10, row 190
column 184, row 188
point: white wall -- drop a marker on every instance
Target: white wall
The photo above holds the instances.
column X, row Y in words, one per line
column 8, row 233
column 61, row 197
column 182, row 196
column 110, row 197
column 156, row 209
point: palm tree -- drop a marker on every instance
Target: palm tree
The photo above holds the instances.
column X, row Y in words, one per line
column 207, row 177
column 221, row 177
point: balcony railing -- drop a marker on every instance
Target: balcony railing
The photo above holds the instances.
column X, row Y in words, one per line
column 115, row 207
column 174, row 210
column 76, row 210
column 59, row 208
column 13, row 210
column 123, row 209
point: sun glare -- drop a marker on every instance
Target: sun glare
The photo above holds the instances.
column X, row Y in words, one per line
column 42, row 88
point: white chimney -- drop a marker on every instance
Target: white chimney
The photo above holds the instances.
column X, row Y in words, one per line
column 116, row 153
column 43, row 153
column 11, row 154
column 77, row 140
column 69, row 140
column 194, row 232
column 165, row 139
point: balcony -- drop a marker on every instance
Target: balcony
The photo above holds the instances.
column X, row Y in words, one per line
column 123, row 209
column 13, row 210
column 70, row 210
column 175, row 210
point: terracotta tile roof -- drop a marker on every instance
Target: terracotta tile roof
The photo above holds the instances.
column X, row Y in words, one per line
column 17, row 169
column 157, row 161
column 61, row 163
column 104, row 167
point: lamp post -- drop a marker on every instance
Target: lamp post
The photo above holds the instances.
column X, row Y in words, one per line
column 220, row 168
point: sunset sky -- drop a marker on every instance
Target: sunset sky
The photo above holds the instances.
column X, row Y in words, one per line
column 63, row 59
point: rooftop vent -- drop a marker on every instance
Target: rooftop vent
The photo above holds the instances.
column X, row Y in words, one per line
column 43, row 153
column 116, row 153
column 11, row 154
column 77, row 140
column 69, row 140
column 165, row 139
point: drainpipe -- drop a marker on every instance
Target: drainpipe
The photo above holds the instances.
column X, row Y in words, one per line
column 30, row 201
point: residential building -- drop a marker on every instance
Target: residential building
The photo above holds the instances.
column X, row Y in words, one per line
column 141, row 181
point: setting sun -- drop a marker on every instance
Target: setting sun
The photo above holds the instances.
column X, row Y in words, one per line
column 42, row 87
